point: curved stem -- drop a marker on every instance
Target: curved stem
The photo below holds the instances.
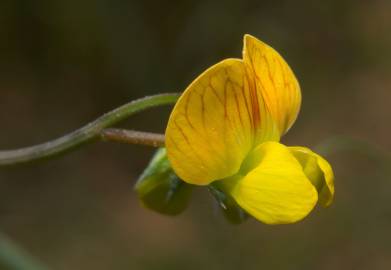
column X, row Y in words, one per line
column 85, row 134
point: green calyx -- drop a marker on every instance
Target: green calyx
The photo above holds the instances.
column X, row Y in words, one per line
column 160, row 189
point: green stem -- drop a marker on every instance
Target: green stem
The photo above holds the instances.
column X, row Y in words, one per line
column 85, row 134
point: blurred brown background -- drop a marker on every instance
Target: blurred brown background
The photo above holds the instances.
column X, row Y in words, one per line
column 63, row 63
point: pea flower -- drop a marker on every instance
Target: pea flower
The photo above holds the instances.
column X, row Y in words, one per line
column 225, row 129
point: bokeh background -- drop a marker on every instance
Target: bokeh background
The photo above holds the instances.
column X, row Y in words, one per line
column 64, row 63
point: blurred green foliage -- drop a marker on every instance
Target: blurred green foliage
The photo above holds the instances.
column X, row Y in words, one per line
column 63, row 63
column 13, row 258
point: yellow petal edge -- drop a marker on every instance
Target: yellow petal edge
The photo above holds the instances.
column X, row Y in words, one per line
column 318, row 170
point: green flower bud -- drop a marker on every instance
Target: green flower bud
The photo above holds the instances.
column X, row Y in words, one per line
column 230, row 209
column 160, row 189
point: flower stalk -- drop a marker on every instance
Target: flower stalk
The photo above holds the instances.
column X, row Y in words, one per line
column 132, row 137
column 92, row 132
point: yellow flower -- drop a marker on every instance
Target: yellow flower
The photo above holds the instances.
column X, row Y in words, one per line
column 224, row 131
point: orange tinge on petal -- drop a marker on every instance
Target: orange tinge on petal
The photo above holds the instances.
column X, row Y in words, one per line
column 275, row 80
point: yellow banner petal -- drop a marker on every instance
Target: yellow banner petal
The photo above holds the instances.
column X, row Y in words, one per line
column 215, row 123
column 275, row 79
column 276, row 190
column 319, row 171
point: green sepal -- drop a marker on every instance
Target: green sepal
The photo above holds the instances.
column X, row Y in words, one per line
column 230, row 209
column 160, row 189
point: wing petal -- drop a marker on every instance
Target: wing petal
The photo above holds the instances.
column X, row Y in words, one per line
column 276, row 190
